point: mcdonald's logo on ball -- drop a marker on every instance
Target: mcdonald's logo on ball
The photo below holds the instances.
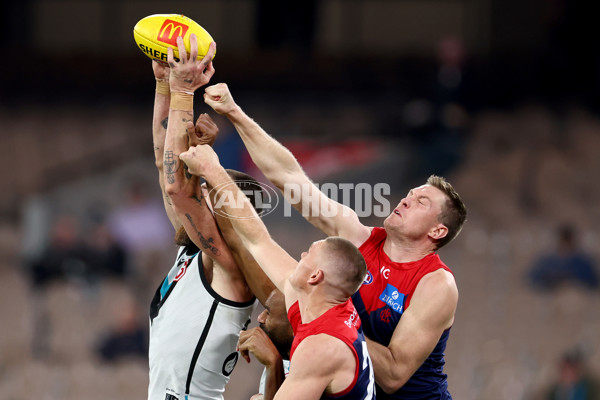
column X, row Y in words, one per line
column 170, row 30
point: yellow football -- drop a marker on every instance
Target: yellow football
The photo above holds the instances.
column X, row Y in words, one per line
column 156, row 33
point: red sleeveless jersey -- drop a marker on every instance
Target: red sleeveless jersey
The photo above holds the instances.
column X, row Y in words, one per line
column 342, row 322
column 381, row 301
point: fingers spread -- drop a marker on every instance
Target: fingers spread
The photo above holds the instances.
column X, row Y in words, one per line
column 170, row 58
column 182, row 52
column 193, row 47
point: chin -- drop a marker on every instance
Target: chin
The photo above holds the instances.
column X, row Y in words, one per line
column 387, row 223
column 182, row 238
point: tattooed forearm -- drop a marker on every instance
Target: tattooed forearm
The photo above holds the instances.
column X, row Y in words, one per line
column 208, row 244
column 187, row 172
column 165, row 122
column 171, row 165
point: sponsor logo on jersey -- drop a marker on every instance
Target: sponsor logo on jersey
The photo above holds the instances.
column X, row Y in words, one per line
column 229, row 363
column 393, row 298
column 368, row 279
column 352, row 320
column 171, row 397
column 385, row 272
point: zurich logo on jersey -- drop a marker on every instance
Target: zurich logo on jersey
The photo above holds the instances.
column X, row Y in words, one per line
column 393, row 298
column 368, row 278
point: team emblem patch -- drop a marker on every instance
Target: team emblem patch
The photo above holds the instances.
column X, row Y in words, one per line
column 368, row 279
column 393, row 298
column 229, row 363
column 385, row 315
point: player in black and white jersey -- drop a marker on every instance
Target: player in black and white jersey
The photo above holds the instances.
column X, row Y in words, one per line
column 205, row 300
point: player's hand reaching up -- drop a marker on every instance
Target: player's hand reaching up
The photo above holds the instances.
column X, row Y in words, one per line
column 204, row 132
column 188, row 74
column 219, row 98
column 161, row 72
column 200, row 159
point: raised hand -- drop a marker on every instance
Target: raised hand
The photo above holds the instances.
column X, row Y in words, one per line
column 161, row 72
column 200, row 159
column 204, row 132
column 188, row 74
column 219, row 98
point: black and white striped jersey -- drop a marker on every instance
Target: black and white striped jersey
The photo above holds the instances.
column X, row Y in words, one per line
column 193, row 334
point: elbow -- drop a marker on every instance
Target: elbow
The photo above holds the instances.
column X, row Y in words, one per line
column 392, row 384
column 389, row 389
column 174, row 190
column 394, row 379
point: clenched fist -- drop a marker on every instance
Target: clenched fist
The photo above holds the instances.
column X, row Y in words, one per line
column 204, row 132
column 200, row 159
column 219, row 98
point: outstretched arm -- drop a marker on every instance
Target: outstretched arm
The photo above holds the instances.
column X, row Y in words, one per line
column 281, row 167
column 191, row 209
column 258, row 282
column 276, row 262
column 162, row 98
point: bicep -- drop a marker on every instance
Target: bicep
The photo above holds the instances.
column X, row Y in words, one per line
column 313, row 368
column 305, row 388
column 430, row 313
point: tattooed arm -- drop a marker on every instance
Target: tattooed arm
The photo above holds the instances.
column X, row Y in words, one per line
column 162, row 98
column 184, row 189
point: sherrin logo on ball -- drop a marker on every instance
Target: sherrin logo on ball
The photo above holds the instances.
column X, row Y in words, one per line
column 155, row 33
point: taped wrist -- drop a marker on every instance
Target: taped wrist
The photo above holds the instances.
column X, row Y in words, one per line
column 182, row 101
column 162, row 87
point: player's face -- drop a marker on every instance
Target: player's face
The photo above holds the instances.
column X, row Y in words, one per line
column 273, row 320
column 417, row 213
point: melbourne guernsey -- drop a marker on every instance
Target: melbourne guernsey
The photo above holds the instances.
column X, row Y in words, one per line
column 381, row 301
column 341, row 322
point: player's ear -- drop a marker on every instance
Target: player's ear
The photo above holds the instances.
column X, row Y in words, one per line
column 316, row 277
column 438, row 232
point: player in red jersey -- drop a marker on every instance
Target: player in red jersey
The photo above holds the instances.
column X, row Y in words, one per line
column 408, row 301
column 329, row 356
